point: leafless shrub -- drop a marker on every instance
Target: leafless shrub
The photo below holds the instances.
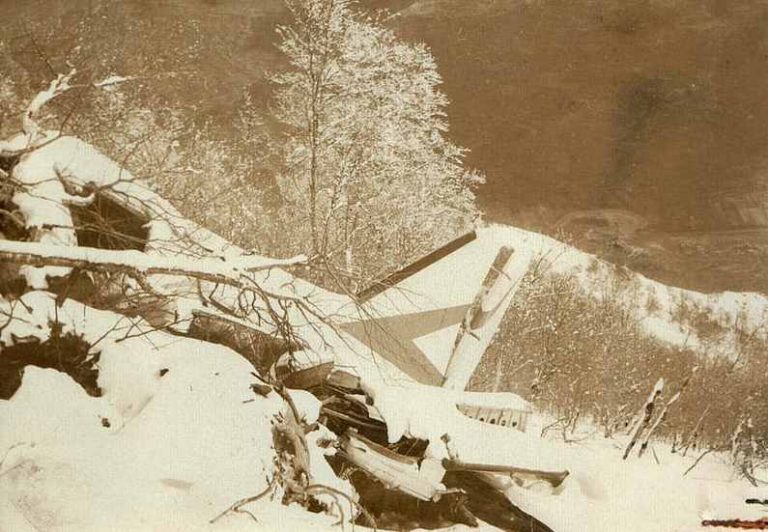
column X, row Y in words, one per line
column 579, row 357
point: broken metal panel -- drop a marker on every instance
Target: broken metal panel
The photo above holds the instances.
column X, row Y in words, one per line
column 364, row 401
column 420, row 479
column 343, row 379
column 307, row 378
column 483, row 316
column 553, row 477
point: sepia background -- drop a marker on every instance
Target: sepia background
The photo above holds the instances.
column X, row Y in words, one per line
column 597, row 170
column 634, row 129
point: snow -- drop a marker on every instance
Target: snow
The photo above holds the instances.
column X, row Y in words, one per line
column 320, row 443
column 306, row 404
column 178, row 435
column 170, row 460
column 669, row 331
column 182, row 445
column 606, row 493
column 192, row 447
column 36, row 310
column 176, row 438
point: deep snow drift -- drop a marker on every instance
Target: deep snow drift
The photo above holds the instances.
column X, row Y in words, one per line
column 176, row 438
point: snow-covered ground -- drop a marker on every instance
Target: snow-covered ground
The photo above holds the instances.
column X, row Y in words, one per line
column 178, row 435
column 176, row 438
column 180, row 448
column 648, row 494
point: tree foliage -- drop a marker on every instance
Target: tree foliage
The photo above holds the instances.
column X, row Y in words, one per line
column 368, row 171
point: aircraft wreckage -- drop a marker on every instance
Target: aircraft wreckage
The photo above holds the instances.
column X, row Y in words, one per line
column 417, row 335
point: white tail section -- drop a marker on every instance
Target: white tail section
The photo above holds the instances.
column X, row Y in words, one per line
column 484, row 316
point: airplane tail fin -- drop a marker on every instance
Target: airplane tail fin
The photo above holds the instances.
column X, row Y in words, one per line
column 484, row 316
column 429, row 318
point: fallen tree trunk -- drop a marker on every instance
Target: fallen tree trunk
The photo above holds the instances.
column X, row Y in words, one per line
column 136, row 263
column 259, row 348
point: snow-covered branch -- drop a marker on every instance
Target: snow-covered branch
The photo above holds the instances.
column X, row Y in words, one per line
column 33, row 136
column 58, row 86
column 139, row 264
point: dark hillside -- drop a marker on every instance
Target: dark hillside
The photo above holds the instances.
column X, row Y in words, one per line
column 635, row 128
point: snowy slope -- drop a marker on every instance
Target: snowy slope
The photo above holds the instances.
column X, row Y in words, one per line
column 651, row 494
column 176, row 437
column 178, row 434
column 638, row 292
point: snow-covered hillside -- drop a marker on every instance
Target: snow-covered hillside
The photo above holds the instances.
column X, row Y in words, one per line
column 181, row 429
column 179, row 436
column 654, row 494
column 654, row 303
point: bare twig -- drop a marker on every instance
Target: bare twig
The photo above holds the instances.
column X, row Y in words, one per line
column 247, row 500
column 319, row 488
column 702, row 455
